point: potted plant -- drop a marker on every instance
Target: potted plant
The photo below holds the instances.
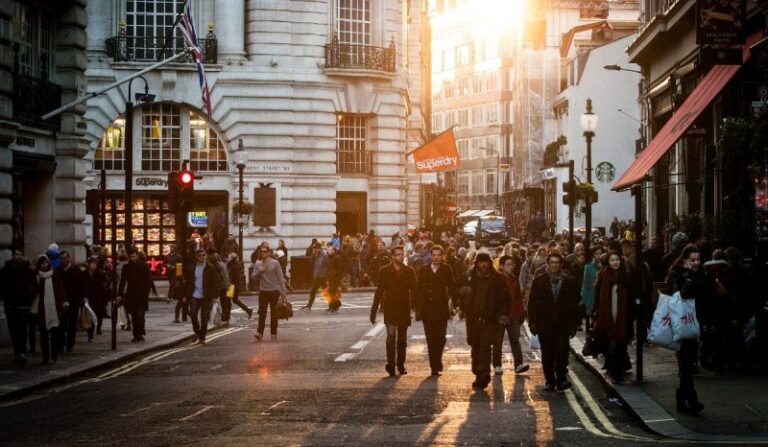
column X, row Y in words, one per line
column 242, row 208
column 586, row 190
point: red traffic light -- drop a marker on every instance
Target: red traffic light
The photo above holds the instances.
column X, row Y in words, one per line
column 186, row 178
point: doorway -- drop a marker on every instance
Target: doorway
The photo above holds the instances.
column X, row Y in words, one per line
column 351, row 213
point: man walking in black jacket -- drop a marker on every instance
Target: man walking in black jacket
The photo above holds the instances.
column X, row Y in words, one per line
column 395, row 294
column 75, row 287
column 133, row 292
column 553, row 316
column 18, row 289
column 485, row 304
column 434, row 289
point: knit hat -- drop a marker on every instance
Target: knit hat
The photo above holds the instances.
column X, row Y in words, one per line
column 462, row 252
column 482, row 257
column 678, row 240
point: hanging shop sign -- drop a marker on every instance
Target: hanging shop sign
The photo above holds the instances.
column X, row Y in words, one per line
column 605, row 172
column 197, row 219
column 719, row 22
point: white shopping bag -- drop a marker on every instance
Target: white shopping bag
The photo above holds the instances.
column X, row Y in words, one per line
column 660, row 332
column 682, row 312
column 215, row 318
column 122, row 317
column 534, row 343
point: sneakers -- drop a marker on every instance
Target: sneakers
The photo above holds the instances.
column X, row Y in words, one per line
column 258, row 336
column 564, row 385
column 522, row 368
column 249, row 312
column 498, row 370
column 305, row 309
column 435, row 372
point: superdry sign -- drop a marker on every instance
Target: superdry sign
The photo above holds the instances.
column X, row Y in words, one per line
column 439, row 154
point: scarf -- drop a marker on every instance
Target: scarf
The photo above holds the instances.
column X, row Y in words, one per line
column 49, row 299
column 556, row 283
column 612, row 305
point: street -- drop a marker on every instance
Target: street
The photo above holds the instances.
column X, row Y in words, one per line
column 322, row 382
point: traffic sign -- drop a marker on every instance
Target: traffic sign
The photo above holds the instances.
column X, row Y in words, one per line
column 450, row 209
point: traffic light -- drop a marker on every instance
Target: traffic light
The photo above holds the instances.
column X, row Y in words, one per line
column 173, row 192
column 185, row 182
column 569, row 193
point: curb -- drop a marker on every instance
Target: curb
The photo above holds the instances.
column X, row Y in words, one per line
column 652, row 415
column 113, row 358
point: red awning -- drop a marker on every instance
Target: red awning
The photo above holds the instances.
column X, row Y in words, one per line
column 704, row 93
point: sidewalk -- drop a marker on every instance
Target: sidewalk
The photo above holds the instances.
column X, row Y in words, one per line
column 735, row 405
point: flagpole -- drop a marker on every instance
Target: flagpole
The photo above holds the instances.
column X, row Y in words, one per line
column 175, row 24
column 113, row 85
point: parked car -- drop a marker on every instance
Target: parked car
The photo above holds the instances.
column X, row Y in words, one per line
column 491, row 231
column 582, row 231
column 469, row 229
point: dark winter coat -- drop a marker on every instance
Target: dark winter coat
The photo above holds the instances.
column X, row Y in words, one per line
column 97, row 292
column 210, row 281
column 75, row 285
column 135, row 284
column 547, row 316
column 433, row 293
column 17, row 284
column 395, row 293
column 497, row 298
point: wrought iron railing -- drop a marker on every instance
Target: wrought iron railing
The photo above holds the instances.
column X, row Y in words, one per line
column 354, row 162
column 362, row 57
column 122, row 48
column 33, row 98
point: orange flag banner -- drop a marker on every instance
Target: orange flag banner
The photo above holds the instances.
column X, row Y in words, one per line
column 439, row 154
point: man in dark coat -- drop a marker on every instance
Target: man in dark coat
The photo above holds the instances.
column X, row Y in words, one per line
column 395, row 294
column 485, row 304
column 75, row 286
column 18, row 287
column 133, row 292
column 553, row 315
column 434, row 290
column 202, row 280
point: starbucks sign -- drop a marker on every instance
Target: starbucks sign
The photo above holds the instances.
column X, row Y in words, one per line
column 605, row 172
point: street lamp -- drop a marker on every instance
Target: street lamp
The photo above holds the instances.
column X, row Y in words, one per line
column 242, row 158
column 588, row 125
column 498, row 162
column 128, row 156
column 614, row 67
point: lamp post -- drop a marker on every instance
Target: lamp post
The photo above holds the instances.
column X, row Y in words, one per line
column 588, row 125
column 242, row 157
column 614, row 67
column 128, row 156
column 498, row 163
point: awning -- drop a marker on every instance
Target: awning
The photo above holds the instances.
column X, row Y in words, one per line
column 483, row 213
column 467, row 213
column 704, row 93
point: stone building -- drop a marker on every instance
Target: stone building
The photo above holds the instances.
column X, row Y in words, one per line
column 311, row 97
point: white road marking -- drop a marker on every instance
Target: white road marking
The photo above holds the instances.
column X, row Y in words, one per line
column 344, row 357
column 266, row 412
column 376, row 330
column 141, row 410
column 198, row 413
column 359, row 345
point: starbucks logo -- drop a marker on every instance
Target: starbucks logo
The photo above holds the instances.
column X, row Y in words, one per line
column 605, row 172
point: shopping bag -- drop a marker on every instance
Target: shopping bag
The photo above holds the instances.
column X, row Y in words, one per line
column 122, row 317
column 660, row 333
column 231, row 291
column 682, row 312
column 84, row 321
column 215, row 317
column 534, row 343
column 94, row 319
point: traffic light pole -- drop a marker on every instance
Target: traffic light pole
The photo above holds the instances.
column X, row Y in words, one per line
column 570, row 207
column 128, row 168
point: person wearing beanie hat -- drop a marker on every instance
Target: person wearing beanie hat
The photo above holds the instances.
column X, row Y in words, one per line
column 676, row 244
column 485, row 304
column 553, row 315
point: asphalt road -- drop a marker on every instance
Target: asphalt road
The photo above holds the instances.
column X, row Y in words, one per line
column 321, row 382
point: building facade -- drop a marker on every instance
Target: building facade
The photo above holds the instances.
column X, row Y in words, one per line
column 311, row 97
column 42, row 65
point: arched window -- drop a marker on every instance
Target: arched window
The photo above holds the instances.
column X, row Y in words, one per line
column 164, row 134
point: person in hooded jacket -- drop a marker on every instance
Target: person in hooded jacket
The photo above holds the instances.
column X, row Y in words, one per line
column 485, row 305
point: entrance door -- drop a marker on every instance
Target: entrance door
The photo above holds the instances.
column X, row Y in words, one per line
column 351, row 213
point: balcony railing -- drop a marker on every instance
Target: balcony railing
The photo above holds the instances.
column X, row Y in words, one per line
column 354, row 162
column 360, row 57
column 33, row 98
column 122, row 48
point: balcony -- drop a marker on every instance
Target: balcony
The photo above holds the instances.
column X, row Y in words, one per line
column 354, row 162
column 345, row 56
column 33, row 98
column 122, row 48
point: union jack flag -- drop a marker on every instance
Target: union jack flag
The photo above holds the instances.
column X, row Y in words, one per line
column 187, row 29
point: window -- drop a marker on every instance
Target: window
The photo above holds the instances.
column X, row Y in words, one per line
column 352, row 156
column 462, row 116
column 477, row 83
column 475, row 152
column 169, row 133
column 477, row 116
column 111, row 151
column 462, row 186
column 353, row 28
column 492, row 113
column 462, row 86
column 463, row 148
column 478, row 182
column 491, row 81
column 148, row 21
column 490, row 181
column 34, row 37
column 448, row 92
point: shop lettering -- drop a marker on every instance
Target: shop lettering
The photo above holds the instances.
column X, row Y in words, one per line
column 151, row 181
column 437, row 162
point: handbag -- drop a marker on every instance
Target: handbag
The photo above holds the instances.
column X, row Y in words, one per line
column 231, row 291
column 660, row 333
column 595, row 344
column 84, row 321
column 283, row 309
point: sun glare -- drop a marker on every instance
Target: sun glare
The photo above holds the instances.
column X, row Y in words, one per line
column 495, row 17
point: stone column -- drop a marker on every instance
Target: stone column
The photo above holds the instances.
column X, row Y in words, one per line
column 7, row 127
column 230, row 29
column 71, row 144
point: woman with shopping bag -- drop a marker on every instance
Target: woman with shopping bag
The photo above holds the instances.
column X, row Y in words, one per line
column 613, row 314
column 687, row 277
